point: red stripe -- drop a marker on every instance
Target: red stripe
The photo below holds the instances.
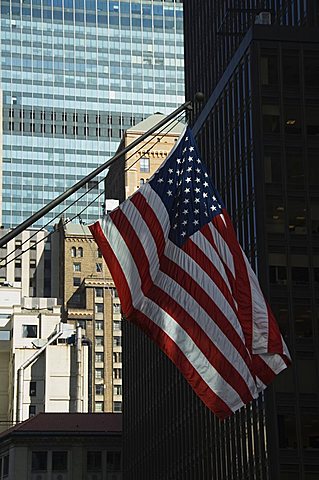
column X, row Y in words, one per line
column 241, row 292
column 262, row 370
column 151, row 221
column 203, row 342
column 171, row 349
column 206, row 264
column 275, row 344
column 186, row 322
column 115, row 269
column 135, row 247
column 207, row 303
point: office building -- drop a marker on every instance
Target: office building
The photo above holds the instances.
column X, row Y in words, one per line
column 258, row 66
column 45, row 363
column 74, row 76
column 59, row 446
column 90, row 300
column 25, row 262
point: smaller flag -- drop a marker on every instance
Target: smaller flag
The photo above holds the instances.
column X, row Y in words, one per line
column 183, row 278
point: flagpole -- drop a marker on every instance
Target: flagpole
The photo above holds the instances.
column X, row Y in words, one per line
column 55, row 202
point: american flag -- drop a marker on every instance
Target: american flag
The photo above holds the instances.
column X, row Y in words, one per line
column 183, row 278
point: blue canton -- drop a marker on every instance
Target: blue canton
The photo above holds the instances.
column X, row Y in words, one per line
column 185, row 188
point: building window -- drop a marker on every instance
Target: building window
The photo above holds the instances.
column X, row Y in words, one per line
column 142, row 181
column 33, row 389
column 99, row 324
column 33, row 245
column 117, row 373
column 117, row 406
column 80, row 252
column 75, row 130
column 99, row 308
column 271, row 118
column 29, row 331
column 117, row 325
column 113, row 461
column 99, row 292
column 99, row 253
column 99, row 407
column 33, row 263
column 99, row 357
column 59, row 461
column 17, row 263
column 76, row 267
column 116, row 308
column 144, row 164
column 75, row 117
column 98, row 267
column 73, row 252
column 99, row 389
column 39, row 461
column 82, row 324
column 32, row 410
column 94, row 461
column 76, row 281
column 5, row 465
column 99, row 341
column 117, row 341
column 99, row 373
column 287, row 431
column 117, row 357
column 269, row 70
column 117, row 389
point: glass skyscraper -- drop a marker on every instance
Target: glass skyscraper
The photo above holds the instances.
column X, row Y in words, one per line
column 74, row 75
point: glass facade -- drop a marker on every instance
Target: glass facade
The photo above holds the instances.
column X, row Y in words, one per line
column 74, row 75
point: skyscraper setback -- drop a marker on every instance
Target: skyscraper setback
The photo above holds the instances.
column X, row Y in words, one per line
column 74, row 75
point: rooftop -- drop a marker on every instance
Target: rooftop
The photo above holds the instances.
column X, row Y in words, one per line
column 61, row 423
column 152, row 120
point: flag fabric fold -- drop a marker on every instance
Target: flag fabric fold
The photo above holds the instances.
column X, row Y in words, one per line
column 183, row 278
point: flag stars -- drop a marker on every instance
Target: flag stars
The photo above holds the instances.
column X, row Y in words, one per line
column 187, row 190
column 190, row 159
column 198, row 170
column 186, row 200
column 170, row 170
column 197, row 190
column 185, row 212
column 196, row 222
column 205, row 184
column 169, row 193
column 189, row 169
column 178, row 160
column 197, row 200
column 184, row 222
column 170, row 181
column 197, row 180
column 205, row 195
column 188, row 179
column 160, row 180
column 191, row 149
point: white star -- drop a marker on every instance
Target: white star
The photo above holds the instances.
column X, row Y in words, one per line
column 178, row 160
column 190, row 159
column 214, row 198
column 185, row 211
column 197, row 200
column 196, row 211
column 206, row 214
column 169, row 193
column 186, row 138
column 189, row 169
column 191, row 149
column 184, row 150
column 186, row 200
column 188, row 179
column 160, row 180
column 170, row 170
column 184, row 222
column 183, row 234
column 178, row 172
column 198, row 170
column 197, row 180
column 187, row 190
column 196, row 222
column 176, row 214
column 213, row 208
column 205, row 195
column 219, row 206
column 205, row 184
column 170, row 181
column 197, row 190
column 198, row 160
column 206, row 174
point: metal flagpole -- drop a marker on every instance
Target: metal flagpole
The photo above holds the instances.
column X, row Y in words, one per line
column 47, row 208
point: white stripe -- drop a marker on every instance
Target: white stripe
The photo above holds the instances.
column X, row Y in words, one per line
column 223, row 249
column 205, row 282
column 164, row 321
column 259, row 312
column 186, row 301
column 205, row 246
column 274, row 362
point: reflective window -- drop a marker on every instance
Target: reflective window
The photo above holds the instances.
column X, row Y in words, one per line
column 275, row 212
column 269, row 70
column 94, row 461
column 39, row 461
column 310, row 431
column 287, row 431
column 297, row 216
column 60, row 461
column 272, row 161
column 291, row 76
column 271, row 118
column 312, row 120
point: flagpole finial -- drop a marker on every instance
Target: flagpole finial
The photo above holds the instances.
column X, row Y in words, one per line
column 199, row 97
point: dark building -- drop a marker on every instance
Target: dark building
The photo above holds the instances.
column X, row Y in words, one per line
column 258, row 65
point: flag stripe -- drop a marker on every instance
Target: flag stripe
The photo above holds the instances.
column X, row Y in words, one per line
column 128, row 233
column 200, row 363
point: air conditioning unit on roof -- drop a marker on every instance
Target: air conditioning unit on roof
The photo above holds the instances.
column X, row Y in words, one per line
column 263, row 18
